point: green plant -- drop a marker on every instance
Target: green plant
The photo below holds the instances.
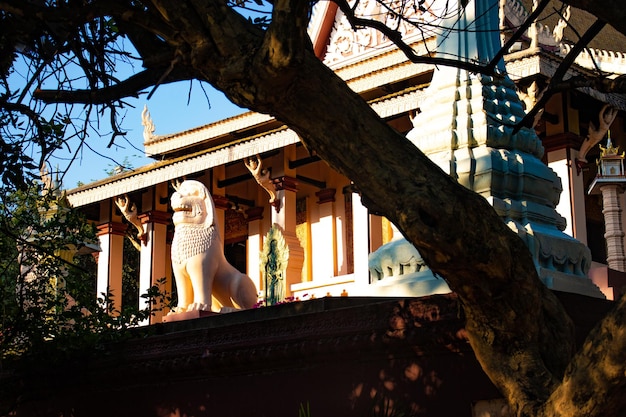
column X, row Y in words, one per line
column 304, row 410
column 49, row 309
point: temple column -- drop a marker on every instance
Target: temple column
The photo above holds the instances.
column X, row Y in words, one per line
column 341, row 238
column 169, row 272
column 221, row 205
column 154, row 257
column 610, row 182
column 561, row 157
column 284, row 214
column 375, row 227
column 254, row 245
column 219, row 199
column 110, row 261
column 361, row 239
column 324, row 236
column 616, row 258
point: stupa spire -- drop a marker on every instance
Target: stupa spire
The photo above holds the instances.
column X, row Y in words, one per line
column 467, row 127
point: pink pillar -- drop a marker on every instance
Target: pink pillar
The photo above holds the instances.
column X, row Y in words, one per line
column 254, row 245
column 154, row 263
column 109, row 280
column 614, row 235
column 324, row 236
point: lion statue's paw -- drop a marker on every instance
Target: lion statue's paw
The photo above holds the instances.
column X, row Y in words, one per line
column 176, row 310
column 198, row 306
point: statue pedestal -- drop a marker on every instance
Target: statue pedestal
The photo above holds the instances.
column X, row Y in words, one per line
column 187, row 315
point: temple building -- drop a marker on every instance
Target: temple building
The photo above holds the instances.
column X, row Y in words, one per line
column 537, row 179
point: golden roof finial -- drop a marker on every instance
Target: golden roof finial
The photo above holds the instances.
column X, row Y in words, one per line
column 610, row 150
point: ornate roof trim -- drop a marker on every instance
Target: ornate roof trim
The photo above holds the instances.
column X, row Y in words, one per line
column 161, row 144
column 552, row 40
column 160, row 172
column 516, row 14
column 526, row 63
column 164, row 171
column 608, row 61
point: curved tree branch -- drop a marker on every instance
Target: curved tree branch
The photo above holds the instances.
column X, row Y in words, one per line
column 511, row 335
column 286, row 37
column 611, row 11
column 130, row 87
column 601, row 84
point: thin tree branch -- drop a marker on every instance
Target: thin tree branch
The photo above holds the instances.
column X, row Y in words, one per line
column 131, row 87
column 612, row 11
column 34, row 118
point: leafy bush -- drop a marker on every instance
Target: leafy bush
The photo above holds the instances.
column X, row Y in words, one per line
column 49, row 309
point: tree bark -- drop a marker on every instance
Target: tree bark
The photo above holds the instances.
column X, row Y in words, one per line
column 595, row 381
column 513, row 322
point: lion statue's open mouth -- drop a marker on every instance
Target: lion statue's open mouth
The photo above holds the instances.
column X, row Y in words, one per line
column 198, row 261
column 182, row 209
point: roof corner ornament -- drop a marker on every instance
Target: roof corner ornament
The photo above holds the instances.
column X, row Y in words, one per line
column 533, row 30
column 530, row 98
column 129, row 211
column 262, row 177
column 561, row 25
column 606, row 116
column 46, row 178
column 148, row 125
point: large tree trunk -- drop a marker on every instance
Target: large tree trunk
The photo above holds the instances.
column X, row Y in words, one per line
column 517, row 328
column 595, row 381
column 457, row 232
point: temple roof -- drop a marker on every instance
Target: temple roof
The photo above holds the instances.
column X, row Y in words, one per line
column 220, row 152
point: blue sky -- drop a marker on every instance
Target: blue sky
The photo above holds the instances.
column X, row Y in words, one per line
column 170, row 113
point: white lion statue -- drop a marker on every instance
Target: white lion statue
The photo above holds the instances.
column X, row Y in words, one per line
column 198, row 261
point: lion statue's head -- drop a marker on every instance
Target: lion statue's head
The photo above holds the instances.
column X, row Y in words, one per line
column 192, row 205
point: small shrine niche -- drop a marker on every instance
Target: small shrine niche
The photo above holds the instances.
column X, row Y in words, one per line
column 611, row 163
column 610, row 184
